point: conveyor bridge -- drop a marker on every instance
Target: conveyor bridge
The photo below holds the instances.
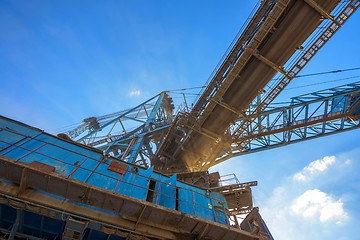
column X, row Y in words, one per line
column 276, row 44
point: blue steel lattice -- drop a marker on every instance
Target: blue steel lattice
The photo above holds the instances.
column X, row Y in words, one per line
column 132, row 135
column 307, row 117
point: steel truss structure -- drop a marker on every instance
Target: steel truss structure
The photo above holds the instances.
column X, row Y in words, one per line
column 228, row 95
column 307, row 117
column 102, row 193
column 164, row 139
column 132, row 135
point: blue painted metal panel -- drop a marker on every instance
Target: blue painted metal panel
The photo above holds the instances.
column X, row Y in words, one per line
column 44, row 227
column 81, row 175
column 8, row 216
column 97, row 180
column 135, row 182
column 32, row 224
column 203, row 206
column 339, row 104
column 166, row 192
column 186, row 201
column 26, row 130
column 90, row 164
column 220, row 207
column 11, row 138
column 84, row 164
column 193, row 200
column 51, row 227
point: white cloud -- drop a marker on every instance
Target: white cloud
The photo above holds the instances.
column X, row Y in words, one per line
column 315, row 167
column 135, row 93
column 302, row 211
column 317, row 204
column 348, row 162
column 300, row 177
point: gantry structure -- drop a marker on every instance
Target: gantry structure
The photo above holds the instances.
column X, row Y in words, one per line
column 142, row 173
column 304, row 117
column 233, row 115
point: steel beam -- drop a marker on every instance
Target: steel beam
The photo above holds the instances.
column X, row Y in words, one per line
column 270, row 63
column 16, row 225
column 140, row 140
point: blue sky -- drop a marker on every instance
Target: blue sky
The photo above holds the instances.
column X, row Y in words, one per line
column 63, row 61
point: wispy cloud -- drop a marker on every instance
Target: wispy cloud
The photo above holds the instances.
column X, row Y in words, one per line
column 314, row 168
column 317, row 204
column 135, row 93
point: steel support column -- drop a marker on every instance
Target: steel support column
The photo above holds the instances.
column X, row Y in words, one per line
column 16, row 224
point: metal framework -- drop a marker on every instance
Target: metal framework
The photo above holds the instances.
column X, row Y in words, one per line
column 242, row 48
column 307, row 117
column 160, row 138
column 299, row 60
column 82, row 194
column 52, row 177
column 132, row 216
column 206, row 135
column 247, row 71
column 132, row 135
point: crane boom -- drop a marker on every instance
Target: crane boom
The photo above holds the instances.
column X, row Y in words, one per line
column 275, row 43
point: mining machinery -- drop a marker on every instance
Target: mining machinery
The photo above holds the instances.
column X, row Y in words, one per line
column 143, row 173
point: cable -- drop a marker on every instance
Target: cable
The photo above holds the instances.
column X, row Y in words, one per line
column 323, row 73
column 176, row 91
column 181, row 93
column 328, row 72
column 185, row 89
column 335, row 80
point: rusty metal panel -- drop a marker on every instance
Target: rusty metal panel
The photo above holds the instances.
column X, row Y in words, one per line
column 118, row 167
column 42, row 167
column 239, row 201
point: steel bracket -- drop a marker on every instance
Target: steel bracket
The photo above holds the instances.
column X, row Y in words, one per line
column 320, row 10
column 270, row 63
